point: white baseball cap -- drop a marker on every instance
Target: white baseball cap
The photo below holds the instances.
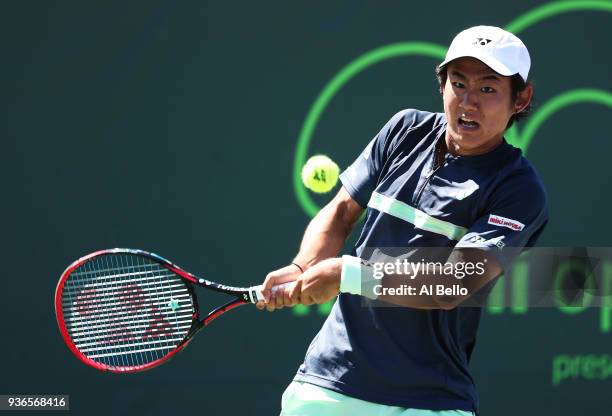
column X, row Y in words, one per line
column 500, row 50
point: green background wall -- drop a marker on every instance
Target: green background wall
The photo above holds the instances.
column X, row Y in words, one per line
column 172, row 126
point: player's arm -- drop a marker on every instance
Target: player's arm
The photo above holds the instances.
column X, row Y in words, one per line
column 326, row 233
column 323, row 281
column 435, row 290
column 324, row 238
column 510, row 224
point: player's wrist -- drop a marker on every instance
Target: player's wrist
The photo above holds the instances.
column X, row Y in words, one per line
column 303, row 263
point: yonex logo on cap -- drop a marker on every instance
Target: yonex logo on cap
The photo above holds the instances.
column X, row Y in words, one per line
column 481, row 42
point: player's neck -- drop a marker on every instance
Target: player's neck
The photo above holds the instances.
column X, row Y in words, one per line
column 454, row 147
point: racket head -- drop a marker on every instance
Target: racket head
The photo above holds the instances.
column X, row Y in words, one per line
column 125, row 310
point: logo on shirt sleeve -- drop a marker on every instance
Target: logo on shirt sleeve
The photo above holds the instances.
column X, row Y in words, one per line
column 505, row 222
column 476, row 239
column 497, row 241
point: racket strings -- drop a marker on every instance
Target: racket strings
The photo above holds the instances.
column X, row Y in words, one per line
column 109, row 307
column 125, row 310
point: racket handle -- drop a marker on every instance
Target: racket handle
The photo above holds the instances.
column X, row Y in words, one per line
column 256, row 295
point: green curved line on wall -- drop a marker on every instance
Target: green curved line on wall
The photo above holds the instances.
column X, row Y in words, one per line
column 552, row 9
column 565, row 99
column 349, row 71
column 435, row 51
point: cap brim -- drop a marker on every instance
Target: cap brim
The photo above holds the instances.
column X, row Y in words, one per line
column 494, row 64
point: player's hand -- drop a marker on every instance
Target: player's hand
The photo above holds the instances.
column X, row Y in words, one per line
column 278, row 298
column 318, row 284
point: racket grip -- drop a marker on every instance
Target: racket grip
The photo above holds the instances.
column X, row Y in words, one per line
column 256, row 295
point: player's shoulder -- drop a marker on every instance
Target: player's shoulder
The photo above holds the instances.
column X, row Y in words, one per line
column 520, row 168
column 519, row 176
column 410, row 126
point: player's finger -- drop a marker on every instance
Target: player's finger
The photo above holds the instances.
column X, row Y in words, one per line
column 276, row 278
column 270, row 306
column 286, row 297
column 270, row 301
column 307, row 300
column 279, row 299
column 267, row 285
column 295, row 292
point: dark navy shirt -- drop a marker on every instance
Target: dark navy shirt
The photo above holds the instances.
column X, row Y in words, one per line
column 410, row 357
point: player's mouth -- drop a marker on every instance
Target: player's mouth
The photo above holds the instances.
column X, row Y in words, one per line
column 467, row 124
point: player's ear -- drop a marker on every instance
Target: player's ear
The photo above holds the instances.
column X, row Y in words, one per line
column 523, row 99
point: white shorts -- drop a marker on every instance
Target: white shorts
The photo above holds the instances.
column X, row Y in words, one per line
column 303, row 399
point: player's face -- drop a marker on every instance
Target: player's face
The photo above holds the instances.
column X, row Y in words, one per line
column 478, row 105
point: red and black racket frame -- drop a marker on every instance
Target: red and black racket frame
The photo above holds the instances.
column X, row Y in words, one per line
column 243, row 296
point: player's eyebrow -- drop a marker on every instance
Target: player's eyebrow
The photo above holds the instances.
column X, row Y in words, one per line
column 487, row 77
column 492, row 77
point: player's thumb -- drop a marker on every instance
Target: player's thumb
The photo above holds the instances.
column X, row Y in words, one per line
column 277, row 278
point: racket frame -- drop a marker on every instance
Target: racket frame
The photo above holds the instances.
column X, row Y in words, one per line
column 243, row 296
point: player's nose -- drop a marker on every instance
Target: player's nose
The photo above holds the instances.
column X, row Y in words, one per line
column 469, row 101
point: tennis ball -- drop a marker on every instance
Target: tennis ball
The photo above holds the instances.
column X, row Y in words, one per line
column 320, row 174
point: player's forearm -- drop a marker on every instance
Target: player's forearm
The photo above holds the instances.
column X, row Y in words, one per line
column 415, row 291
column 418, row 286
column 327, row 231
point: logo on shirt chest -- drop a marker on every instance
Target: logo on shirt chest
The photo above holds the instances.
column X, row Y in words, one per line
column 455, row 190
column 462, row 195
column 505, row 222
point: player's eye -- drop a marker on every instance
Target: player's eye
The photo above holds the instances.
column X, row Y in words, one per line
column 487, row 90
column 457, row 84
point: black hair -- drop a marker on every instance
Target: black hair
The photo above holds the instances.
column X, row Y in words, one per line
column 517, row 85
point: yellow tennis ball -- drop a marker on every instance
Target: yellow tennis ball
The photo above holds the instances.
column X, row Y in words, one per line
column 320, row 174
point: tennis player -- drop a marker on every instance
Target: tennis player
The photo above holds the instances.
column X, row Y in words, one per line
column 426, row 180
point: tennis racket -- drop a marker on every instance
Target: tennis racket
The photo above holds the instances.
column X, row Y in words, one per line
column 125, row 310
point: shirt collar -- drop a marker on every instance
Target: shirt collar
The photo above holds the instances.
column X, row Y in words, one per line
column 494, row 156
